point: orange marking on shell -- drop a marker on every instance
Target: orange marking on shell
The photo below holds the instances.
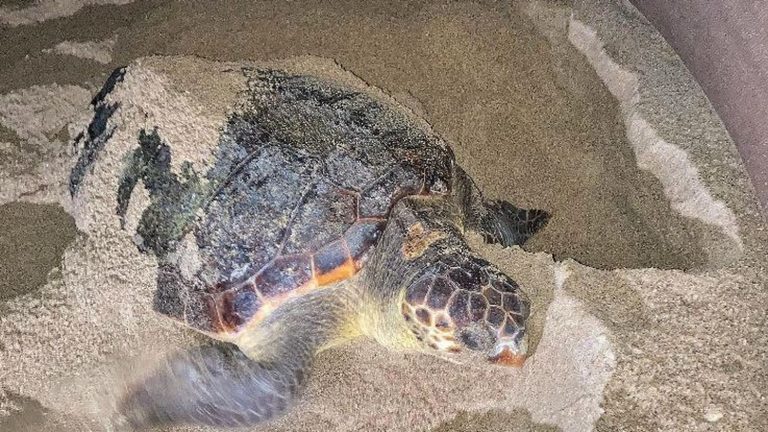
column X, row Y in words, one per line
column 357, row 264
column 344, row 271
column 348, row 269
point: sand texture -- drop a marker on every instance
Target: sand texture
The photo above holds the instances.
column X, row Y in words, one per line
column 648, row 285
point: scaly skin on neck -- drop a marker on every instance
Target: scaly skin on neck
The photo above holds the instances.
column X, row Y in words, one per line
column 380, row 319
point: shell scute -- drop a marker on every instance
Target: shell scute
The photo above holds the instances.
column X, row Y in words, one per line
column 237, row 306
column 284, row 274
column 361, row 236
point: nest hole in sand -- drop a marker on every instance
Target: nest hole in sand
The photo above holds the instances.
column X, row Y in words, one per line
column 535, row 125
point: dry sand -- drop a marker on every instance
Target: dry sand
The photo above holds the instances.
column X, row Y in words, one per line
column 530, row 119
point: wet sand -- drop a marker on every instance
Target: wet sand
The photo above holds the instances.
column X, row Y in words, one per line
column 32, row 239
column 538, row 131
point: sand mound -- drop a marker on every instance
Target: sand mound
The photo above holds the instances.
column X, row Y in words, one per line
column 678, row 347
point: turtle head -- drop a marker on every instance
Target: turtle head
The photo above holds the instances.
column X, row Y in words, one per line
column 470, row 309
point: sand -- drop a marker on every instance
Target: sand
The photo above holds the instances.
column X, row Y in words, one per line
column 645, row 317
column 32, row 240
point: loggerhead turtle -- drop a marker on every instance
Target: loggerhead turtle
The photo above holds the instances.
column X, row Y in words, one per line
column 327, row 214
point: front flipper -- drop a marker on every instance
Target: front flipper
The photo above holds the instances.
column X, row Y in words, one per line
column 497, row 221
column 213, row 385
column 225, row 385
column 503, row 223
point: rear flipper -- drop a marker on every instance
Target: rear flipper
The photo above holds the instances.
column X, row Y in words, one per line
column 501, row 222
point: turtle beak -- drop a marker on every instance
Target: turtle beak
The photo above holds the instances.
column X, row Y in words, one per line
column 510, row 351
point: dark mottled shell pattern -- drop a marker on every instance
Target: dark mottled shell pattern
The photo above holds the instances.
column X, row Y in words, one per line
column 305, row 175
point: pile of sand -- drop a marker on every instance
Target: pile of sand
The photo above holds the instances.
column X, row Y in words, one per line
column 539, row 109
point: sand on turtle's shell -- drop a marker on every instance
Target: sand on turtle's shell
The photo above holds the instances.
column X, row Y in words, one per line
column 537, row 134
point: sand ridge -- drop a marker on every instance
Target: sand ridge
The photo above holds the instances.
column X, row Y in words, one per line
column 533, row 122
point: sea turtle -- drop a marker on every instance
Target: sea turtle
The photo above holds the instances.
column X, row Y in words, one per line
column 328, row 213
